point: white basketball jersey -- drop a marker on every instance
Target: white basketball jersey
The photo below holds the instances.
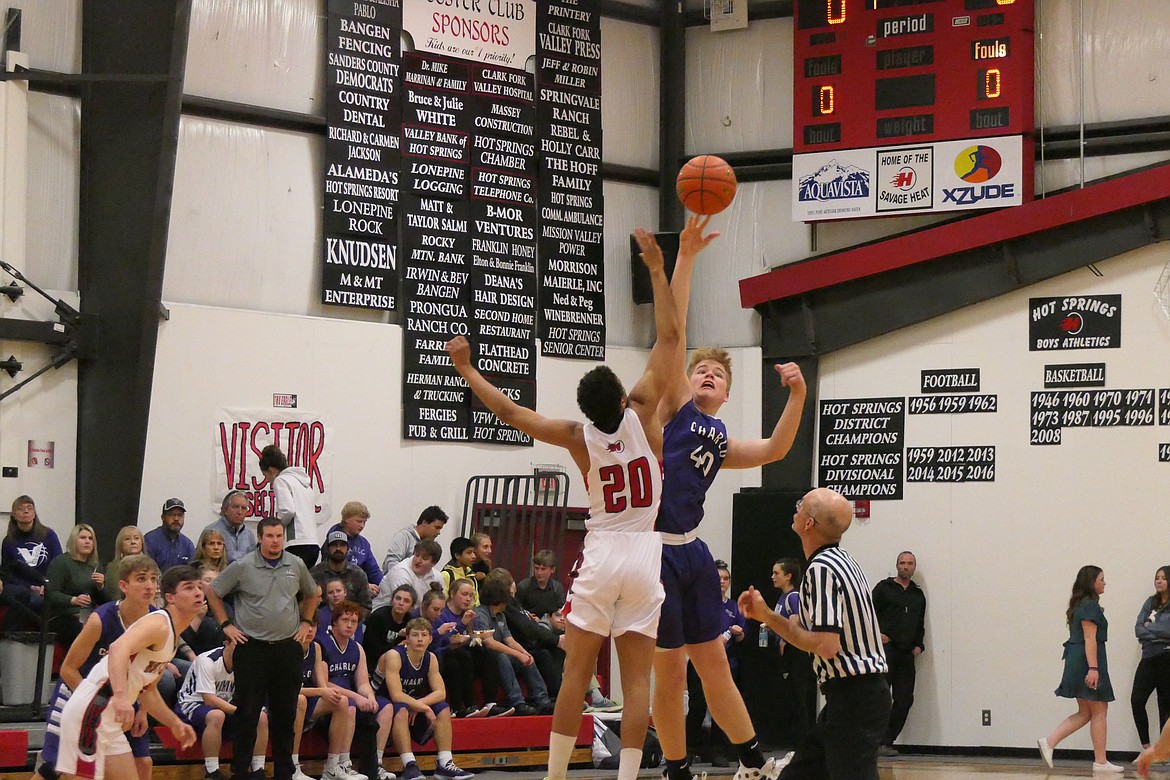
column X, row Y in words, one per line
column 146, row 666
column 624, row 479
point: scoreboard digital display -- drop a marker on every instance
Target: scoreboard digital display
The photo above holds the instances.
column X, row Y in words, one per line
column 870, row 74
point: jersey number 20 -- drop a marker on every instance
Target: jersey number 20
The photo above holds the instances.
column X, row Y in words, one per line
column 615, row 486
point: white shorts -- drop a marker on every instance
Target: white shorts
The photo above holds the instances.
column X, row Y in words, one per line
column 618, row 586
column 89, row 733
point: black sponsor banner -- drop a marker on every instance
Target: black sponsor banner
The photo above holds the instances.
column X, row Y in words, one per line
column 950, row 464
column 1055, row 410
column 1074, row 322
column 1074, row 375
column 953, row 404
column 361, row 186
column 950, row 380
column 503, row 314
column 568, row 116
column 1164, row 406
column 502, row 117
column 860, row 449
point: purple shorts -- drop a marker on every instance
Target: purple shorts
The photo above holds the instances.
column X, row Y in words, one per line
column 693, row 611
column 421, row 731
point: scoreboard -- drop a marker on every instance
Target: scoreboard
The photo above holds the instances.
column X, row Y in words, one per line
column 911, row 105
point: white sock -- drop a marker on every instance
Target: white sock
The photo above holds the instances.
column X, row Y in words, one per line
column 629, row 763
column 407, row 758
column 296, row 759
column 344, row 760
column 211, row 764
column 446, row 757
column 560, row 748
column 257, row 762
column 331, row 762
column 381, row 753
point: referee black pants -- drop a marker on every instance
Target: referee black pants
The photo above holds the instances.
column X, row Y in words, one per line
column 266, row 673
column 843, row 745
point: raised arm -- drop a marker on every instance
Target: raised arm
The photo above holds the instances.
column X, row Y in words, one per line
column 749, row 453
column 691, row 242
column 646, row 394
column 563, row 433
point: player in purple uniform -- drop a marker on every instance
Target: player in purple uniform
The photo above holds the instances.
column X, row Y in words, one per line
column 317, row 698
column 412, row 680
column 138, row 580
column 346, row 671
column 695, row 445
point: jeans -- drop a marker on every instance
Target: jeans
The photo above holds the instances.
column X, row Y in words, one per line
column 510, row 670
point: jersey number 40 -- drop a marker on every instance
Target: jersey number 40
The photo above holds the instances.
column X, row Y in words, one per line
column 622, row 492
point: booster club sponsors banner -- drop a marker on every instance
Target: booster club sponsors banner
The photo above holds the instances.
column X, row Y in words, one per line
column 860, row 449
column 572, row 257
column 239, row 436
column 362, row 111
column 1074, row 322
column 496, row 32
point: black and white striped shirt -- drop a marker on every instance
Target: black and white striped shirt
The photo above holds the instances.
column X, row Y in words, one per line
column 835, row 596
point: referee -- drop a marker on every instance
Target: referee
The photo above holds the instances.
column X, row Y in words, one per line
column 270, row 629
column 838, row 625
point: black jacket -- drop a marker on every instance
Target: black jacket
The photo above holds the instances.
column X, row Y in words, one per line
column 901, row 612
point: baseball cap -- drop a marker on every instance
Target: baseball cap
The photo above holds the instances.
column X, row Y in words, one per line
column 336, row 536
column 173, row 503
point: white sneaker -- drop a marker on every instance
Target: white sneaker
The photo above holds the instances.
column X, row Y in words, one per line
column 300, row 774
column 384, row 774
column 786, row 759
column 1107, row 767
column 350, row 773
column 769, row 771
column 1045, row 751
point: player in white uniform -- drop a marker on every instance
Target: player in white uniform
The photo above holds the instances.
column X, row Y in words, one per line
column 618, row 591
column 94, row 722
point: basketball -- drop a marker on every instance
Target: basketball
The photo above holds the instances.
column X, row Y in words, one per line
column 706, row 184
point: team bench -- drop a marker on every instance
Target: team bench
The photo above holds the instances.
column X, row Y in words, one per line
column 478, row 743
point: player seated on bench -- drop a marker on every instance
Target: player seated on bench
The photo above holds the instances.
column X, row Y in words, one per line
column 410, row 675
column 317, row 702
column 205, row 702
column 345, row 662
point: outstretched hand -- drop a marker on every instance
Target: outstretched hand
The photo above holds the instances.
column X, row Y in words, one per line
column 751, row 604
column 790, row 376
column 460, row 351
column 651, row 252
column 691, row 240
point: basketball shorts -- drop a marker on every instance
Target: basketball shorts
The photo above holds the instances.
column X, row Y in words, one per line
column 422, row 730
column 89, row 733
column 618, row 587
column 693, row 611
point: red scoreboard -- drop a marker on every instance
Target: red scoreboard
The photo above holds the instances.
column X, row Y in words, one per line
column 870, row 74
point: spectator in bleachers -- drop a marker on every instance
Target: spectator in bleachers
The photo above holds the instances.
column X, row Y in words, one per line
column 386, row 626
column 204, row 634
column 459, row 567
column 127, row 542
column 211, row 551
column 542, row 644
column 25, row 554
column 354, row 516
column 205, row 702
column 512, row 660
column 167, row 544
column 319, row 701
column 292, row 492
column 417, row 571
column 420, row 712
column 483, row 556
column 238, row 538
column 347, row 670
column 334, row 592
column 402, row 545
column 542, row 593
column 335, row 563
column 75, row 584
column 451, row 645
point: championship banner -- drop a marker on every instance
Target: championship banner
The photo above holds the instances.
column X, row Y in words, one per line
column 239, row 436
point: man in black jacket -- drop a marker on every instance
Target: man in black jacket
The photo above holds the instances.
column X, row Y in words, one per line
column 901, row 611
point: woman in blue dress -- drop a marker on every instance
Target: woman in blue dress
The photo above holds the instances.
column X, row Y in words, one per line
column 1086, row 670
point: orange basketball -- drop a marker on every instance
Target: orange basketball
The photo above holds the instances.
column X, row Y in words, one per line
column 706, row 184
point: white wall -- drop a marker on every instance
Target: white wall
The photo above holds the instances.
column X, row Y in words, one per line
column 997, row 560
